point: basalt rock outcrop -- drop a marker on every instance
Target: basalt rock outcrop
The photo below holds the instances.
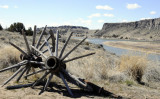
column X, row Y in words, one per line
column 148, row 29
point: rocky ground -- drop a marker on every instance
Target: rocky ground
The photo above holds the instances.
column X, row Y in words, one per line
column 100, row 68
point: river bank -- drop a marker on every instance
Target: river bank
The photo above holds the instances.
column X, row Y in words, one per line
column 148, row 47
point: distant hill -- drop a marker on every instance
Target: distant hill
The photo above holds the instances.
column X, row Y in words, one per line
column 148, row 29
column 63, row 30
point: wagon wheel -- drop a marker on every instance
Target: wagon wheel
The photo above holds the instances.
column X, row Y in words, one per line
column 56, row 65
column 30, row 59
column 52, row 64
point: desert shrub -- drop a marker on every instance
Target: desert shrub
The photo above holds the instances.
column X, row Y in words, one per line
column 16, row 27
column 86, row 43
column 114, row 35
column 1, row 28
column 29, row 32
column 129, row 82
column 8, row 56
column 133, row 65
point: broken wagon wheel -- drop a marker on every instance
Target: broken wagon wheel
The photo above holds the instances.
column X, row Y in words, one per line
column 52, row 65
column 29, row 59
column 56, row 65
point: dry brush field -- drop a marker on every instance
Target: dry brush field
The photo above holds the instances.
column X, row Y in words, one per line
column 128, row 76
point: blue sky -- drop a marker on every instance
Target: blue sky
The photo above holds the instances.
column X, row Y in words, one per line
column 88, row 13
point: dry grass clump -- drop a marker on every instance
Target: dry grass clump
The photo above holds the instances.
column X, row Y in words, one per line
column 134, row 65
column 8, row 56
column 92, row 68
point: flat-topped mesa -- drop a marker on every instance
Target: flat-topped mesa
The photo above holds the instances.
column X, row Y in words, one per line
column 66, row 29
column 148, row 29
column 148, row 23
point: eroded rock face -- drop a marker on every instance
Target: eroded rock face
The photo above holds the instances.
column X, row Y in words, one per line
column 144, row 29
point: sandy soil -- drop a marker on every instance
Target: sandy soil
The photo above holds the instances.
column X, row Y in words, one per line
column 148, row 47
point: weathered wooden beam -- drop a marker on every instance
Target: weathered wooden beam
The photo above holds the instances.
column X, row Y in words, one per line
column 39, row 40
column 26, row 41
column 40, row 79
column 73, row 79
column 65, row 61
column 53, row 40
column 73, row 49
column 35, row 72
column 19, row 86
column 34, row 37
column 35, row 62
column 69, row 90
column 46, row 50
column 43, row 44
column 14, row 66
column 49, row 48
column 48, row 81
column 65, row 45
column 23, row 52
column 28, row 70
column 39, row 51
column 19, row 70
column 56, row 48
column 23, row 71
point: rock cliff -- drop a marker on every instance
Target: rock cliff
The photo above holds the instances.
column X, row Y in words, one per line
column 143, row 30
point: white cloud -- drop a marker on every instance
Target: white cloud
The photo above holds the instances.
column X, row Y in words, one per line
column 85, row 22
column 60, row 24
column 105, row 7
column 144, row 18
column 124, row 20
column 100, row 21
column 15, row 6
column 153, row 12
column 109, row 15
column 133, row 6
column 95, row 15
column 4, row 6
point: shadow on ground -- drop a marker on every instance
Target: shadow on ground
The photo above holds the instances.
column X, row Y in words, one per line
column 78, row 93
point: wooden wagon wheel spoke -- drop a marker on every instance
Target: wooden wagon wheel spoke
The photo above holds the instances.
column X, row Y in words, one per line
column 48, row 81
column 23, row 52
column 34, row 37
column 69, row 90
column 26, row 41
column 14, row 66
column 15, row 74
column 65, row 61
column 43, row 44
column 65, row 45
column 40, row 38
column 24, row 70
column 40, row 79
column 56, row 46
column 53, row 40
column 39, row 51
column 49, row 48
column 73, row 49
column 35, row 72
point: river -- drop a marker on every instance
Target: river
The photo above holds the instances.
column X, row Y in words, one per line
column 120, row 51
